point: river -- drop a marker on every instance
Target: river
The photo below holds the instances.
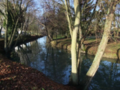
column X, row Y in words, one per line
column 56, row 64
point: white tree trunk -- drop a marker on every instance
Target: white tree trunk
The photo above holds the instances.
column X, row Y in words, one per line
column 74, row 72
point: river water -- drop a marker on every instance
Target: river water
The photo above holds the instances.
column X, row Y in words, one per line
column 56, row 64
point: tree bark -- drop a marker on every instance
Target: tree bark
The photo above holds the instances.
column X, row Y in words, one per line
column 0, row 31
column 6, row 34
column 13, row 35
column 80, row 43
column 74, row 72
column 68, row 17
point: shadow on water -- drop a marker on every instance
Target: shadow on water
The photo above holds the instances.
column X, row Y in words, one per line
column 56, row 64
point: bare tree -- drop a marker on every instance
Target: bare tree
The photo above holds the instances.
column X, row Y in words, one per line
column 109, row 18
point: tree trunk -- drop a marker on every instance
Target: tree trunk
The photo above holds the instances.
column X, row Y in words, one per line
column 117, row 33
column 95, row 29
column 13, row 35
column 79, row 46
column 49, row 34
column 0, row 31
column 74, row 72
column 68, row 17
column 114, row 33
column 6, row 34
column 82, row 44
column 91, row 72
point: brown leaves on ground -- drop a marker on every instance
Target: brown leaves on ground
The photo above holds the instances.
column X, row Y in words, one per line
column 14, row 76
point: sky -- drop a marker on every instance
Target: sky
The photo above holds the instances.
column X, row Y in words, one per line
column 39, row 1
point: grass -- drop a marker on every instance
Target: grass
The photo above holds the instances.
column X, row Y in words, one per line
column 34, row 88
column 90, row 38
column 67, row 41
column 58, row 37
column 114, row 46
column 43, row 89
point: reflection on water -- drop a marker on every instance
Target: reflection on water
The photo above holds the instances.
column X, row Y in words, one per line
column 56, row 64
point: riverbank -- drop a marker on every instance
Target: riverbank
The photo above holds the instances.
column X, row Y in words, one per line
column 22, row 40
column 112, row 50
column 15, row 76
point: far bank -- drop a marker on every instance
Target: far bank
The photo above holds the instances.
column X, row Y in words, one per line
column 22, row 40
column 112, row 50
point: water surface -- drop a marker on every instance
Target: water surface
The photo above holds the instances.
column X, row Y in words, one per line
column 56, row 64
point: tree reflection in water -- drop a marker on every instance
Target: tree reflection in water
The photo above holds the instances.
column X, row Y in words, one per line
column 107, row 76
column 56, row 64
